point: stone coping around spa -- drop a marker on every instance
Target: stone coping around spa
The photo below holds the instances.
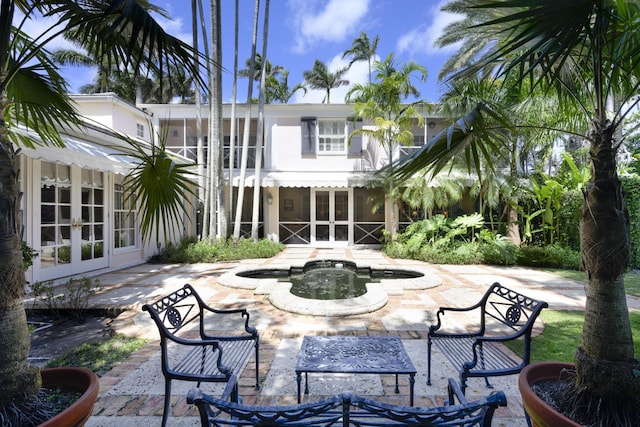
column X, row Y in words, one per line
column 377, row 295
column 428, row 280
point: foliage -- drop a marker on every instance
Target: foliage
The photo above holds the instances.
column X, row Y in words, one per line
column 159, row 184
column 497, row 249
column 74, row 297
column 99, row 356
column 192, row 250
column 319, row 77
column 443, row 240
column 548, row 256
column 553, row 217
column 28, row 254
column 631, row 186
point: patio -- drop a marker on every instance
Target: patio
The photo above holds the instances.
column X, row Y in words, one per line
column 132, row 393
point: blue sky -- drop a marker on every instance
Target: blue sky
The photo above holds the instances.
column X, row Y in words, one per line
column 301, row 31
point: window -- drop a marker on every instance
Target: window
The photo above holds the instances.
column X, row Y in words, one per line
column 331, row 136
column 140, row 130
column 125, row 231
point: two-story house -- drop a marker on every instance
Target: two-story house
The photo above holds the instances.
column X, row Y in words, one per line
column 317, row 185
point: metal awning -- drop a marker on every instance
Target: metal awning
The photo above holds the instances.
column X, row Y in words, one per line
column 83, row 154
column 306, row 179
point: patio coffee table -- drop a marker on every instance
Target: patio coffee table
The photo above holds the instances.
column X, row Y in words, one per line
column 353, row 355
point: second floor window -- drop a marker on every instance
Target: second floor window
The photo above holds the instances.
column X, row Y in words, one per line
column 331, row 136
column 140, row 130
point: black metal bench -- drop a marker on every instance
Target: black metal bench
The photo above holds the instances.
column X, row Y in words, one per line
column 345, row 409
column 501, row 315
column 197, row 355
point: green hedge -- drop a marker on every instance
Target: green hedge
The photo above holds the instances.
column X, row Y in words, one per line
column 631, row 187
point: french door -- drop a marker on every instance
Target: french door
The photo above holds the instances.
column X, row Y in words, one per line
column 331, row 216
column 72, row 220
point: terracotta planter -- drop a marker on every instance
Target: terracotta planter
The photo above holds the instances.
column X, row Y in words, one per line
column 541, row 414
column 79, row 379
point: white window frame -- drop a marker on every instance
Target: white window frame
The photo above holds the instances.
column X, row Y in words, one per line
column 333, row 145
column 121, row 208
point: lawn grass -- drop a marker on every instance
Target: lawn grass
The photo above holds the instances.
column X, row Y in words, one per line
column 561, row 336
column 631, row 279
column 99, row 356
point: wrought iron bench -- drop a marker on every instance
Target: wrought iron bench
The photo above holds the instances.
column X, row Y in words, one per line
column 501, row 315
column 345, row 409
column 205, row 358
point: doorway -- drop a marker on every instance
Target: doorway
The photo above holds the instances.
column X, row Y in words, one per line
column 72, row 223
column 331, row 216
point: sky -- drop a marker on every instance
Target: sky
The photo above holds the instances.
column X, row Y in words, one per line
column 301, row 31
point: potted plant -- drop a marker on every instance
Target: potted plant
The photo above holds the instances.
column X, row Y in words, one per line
column 585, row 52
column 77, row 379
column 541, row 413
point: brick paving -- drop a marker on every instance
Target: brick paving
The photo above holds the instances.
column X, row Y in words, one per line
column 406, row 315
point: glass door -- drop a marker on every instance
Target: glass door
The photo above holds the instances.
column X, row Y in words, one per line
column 331, row 214
column 72, row 220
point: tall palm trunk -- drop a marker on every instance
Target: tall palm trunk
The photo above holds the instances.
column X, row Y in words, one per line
column 232, row 132
column 216, row 99
column 200, row 142
column 206, row 208
column 17, row 376
column 605, row 361
column 513, row 230
column 258, row 181
column 247, row 128
column 214, row 128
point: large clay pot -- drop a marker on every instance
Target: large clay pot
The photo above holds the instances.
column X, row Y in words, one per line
column 541, row 414
column 79, row 379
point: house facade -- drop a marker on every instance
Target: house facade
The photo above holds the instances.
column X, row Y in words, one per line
column 317, row 185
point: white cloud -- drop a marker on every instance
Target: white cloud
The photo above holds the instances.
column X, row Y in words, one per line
column 332, row 20
column 422, row 40
column 358, row 73
column 175, row 25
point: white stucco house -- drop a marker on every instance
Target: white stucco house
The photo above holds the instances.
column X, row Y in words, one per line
column 315, row 182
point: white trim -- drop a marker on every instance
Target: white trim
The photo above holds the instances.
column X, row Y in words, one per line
column 306, row 179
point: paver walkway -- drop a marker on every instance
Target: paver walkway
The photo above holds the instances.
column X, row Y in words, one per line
column 132, row 393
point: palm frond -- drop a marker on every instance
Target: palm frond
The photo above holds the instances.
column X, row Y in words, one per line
column 159, row 186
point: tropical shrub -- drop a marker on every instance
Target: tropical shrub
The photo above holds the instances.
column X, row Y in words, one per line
column 190, row 250
column 631, row 187
column 548, row 256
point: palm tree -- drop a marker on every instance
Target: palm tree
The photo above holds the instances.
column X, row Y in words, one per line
column 382, row 102
column 510, row 104
column 319, row 77
column 586, row 52
column 278, row 90
column 33, row 93
column 362, row 50
column 260, row 67
column 74, row 57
